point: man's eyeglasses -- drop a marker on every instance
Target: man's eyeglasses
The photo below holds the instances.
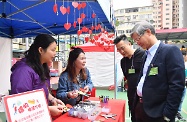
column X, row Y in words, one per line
column 137, row 39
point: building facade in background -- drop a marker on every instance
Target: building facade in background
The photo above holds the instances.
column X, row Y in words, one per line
column 169, row 14
column 127, row 18
column 163, row 14
column 182, row 15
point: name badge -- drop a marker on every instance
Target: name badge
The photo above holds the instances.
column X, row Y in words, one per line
column 131, row 71
column 153, row 71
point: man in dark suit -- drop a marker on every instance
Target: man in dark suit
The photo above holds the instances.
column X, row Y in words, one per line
column 161, row 82
column 130, row 65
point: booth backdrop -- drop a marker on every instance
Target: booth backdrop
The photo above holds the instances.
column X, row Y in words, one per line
column 100, row 63
column 5, row 64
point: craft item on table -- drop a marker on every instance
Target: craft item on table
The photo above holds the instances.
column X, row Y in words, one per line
column 109, row 116
column 83, row 90
column 104, row 99
column 82, row 93
column 67, row 107
column 100, row 120
column 94, row 113
column 106, row 109
column 81, row 110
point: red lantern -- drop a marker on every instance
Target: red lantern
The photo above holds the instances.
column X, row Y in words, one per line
column 68, row 9
column 79, row 20
column 79, row 6
column 74, row 24
column 96, row 37
column 55, row 8
column 67, row 26
column 86, row 39
column 63, row 10
column 79, row 32
column 83, row 15
column 75, row 4
column 93, row 15
column 83, row 4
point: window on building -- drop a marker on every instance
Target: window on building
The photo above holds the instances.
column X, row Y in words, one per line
column 135, row 10
column 121, row 11
column 167, row 13
column 24, row 40
column 167, row 4
column 120, row 31
column 135, row 16
column 128, row 31
column 167, row 18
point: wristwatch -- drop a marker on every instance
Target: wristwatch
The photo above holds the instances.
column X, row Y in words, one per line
column 166, row 119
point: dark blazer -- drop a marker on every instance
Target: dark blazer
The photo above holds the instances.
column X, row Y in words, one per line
column 162, row 92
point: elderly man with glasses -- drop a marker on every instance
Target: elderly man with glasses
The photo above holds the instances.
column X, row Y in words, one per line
column 161, row 81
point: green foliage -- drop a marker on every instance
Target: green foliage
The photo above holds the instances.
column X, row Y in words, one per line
column 130, row 40
column 117, row 23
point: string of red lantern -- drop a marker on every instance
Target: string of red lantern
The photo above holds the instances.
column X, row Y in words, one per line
column 67, row 25
column 103, row 39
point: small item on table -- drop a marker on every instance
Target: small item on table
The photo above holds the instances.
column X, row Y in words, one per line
column 100, row 120
column 104, row 99
column 67, row 107
column 109, row 116
column 82, row 93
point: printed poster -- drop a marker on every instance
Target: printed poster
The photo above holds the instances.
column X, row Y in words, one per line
column 29, row 106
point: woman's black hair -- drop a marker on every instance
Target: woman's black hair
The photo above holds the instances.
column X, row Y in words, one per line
column 33, row 56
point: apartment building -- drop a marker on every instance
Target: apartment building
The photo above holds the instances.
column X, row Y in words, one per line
column 182, row 15
column 168, row 14
column 127, row 18
column 164, row 14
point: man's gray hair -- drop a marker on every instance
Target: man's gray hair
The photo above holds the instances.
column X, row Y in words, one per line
column 141, row 27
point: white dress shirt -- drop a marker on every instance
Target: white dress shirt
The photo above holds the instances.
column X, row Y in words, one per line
column 150, row 54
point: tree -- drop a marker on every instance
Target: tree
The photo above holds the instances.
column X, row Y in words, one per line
column 117, row 23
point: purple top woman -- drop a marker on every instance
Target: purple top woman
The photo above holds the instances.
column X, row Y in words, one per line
column 32, row 72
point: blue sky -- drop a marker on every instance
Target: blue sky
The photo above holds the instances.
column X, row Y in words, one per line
column 118, row 4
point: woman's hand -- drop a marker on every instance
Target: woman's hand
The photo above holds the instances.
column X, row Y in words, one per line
column 86, row 89
column 59, row 102
column 56, row 102
column 56, row 110
column 73, row 94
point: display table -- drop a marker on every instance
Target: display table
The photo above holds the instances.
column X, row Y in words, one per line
column 117, row 107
